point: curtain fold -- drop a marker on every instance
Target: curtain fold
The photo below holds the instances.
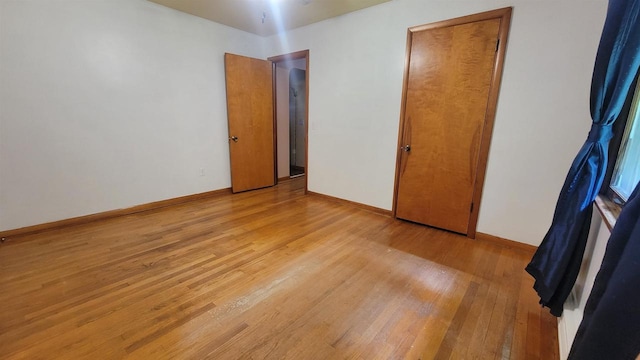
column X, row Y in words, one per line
column 610, row 327
column 556, row 263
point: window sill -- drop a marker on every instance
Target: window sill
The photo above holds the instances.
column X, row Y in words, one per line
column 609, row 210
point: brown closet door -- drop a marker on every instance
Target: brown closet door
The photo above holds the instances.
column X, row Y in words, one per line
column 447, row 90
column 250, row 117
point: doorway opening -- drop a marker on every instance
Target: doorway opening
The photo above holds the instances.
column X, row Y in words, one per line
column 291, row 84
column 297, row 119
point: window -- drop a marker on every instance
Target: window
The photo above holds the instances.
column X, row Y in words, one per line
column 626, row 172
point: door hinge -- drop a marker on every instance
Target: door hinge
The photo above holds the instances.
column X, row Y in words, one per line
column 497, row 45
column 471, row 208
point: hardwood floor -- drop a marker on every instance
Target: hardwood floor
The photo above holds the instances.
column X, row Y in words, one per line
column 267, row 274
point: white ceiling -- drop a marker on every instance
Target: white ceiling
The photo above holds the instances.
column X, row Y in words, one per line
column 279, row 15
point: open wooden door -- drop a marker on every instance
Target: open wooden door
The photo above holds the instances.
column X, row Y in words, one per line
column 250, row 116
column 450, row 94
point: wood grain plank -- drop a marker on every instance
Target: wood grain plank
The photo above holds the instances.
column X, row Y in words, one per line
column 266, row 274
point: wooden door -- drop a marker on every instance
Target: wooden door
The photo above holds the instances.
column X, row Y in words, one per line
column 446, row 120
column 250, row 117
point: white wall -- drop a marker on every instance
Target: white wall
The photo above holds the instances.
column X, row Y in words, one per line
column 356, row 69
column 106, row 104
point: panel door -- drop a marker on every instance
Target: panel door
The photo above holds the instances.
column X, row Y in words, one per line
column 250, row 118
column 446, row 96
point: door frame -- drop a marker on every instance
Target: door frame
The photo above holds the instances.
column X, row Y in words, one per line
column 504, row 14
column 303, row 54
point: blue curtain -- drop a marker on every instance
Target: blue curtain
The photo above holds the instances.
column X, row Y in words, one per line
column 556, row 263
column 610, row 327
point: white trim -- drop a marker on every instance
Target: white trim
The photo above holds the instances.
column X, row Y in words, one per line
column 567, row 327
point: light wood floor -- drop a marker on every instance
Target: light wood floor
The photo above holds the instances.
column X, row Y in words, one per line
column 268, row 274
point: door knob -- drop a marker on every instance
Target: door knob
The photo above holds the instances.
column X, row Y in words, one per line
column 405, row 148
column 234, row 138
